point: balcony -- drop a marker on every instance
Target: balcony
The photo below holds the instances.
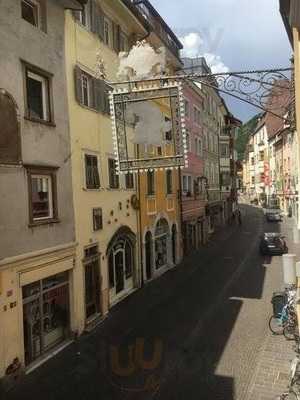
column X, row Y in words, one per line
column 158, row 26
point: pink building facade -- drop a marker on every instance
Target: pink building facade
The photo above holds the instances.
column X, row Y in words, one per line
column 194, row 196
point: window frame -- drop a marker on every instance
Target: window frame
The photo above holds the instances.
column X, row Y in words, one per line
column 90, row 154
column 94, row 210
column 47, row 79
column 37, row 171
column 128, row 187
column 169, row 182
column 107, row 23
column 151, row 188
column 35, row 5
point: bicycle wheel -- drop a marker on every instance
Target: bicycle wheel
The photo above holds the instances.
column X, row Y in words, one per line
column 289, row 332
column 275, row 325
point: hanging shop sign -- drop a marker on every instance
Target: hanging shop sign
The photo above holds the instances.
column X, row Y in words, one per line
column 148, row 124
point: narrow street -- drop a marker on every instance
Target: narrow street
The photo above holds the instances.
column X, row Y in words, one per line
column 207, row 318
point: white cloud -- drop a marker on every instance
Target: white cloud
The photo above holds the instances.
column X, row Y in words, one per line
column 193, row 46
column 215, row 63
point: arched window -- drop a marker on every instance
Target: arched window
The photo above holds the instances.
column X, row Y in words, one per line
column 121, row 260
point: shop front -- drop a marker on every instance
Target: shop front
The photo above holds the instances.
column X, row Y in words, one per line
column 46, row 315
column 121, row 254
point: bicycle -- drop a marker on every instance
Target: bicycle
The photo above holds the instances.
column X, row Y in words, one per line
column 293, row 392
column 284, row 319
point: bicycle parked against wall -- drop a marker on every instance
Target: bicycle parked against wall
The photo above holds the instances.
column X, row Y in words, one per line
column 284, row 318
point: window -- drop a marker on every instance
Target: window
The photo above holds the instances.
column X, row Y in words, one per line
column 92, row 179
column 169, row 181
column 129, row 180
column 261, row 155
column 42, row 195
column 97, row 219
column 252, row 180
column 91, row 92
column 30, row 12
column 37, row 95
column 187, row 184
column 123, row 42
column 224, row 150
column 107, row 32
column 252, row 160
column 197, row 116
column 113, row 177
column 186, row 109
column 188, row 141
column 151, row 182
column 198, row 146
column 86, row 90
column 168, row 133
column 262, row 177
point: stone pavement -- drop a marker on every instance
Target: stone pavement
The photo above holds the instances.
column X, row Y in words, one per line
column 271, row 377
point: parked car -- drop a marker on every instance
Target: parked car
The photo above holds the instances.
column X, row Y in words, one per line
column 273, row 216
column 272, row 243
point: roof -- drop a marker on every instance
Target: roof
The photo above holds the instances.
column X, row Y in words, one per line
column 163, row 22
column 279, row 101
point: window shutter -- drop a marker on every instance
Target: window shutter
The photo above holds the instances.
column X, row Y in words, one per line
column 116, row 37
column 100, row 20
column 106, row 99
column 93, row 12
column 101, row 96
column 78, row 91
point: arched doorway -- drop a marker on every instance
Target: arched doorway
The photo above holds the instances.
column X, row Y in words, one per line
column 162, row 238
column 121, row 263
column 174, row 243
column 148, row 255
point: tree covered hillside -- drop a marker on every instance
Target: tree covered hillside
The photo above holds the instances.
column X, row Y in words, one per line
column 243, row 135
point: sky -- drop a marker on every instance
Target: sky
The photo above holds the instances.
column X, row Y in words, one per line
column 234, row 35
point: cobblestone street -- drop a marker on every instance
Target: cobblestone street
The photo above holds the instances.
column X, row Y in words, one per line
column 198, row 332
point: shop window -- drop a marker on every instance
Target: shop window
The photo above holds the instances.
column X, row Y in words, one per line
column 92, row 178
column 151, row 183
column 97, row 219
column 113, row 177
column 162, row 236
column 45, row 315
column 38, row 95
column 120, row 263
column 169, row 176
column 42, row 195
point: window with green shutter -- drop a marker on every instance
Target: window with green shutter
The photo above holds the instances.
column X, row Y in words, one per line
column 92, row 178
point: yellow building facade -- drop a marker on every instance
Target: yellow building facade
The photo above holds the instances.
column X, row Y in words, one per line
column 108, row 262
